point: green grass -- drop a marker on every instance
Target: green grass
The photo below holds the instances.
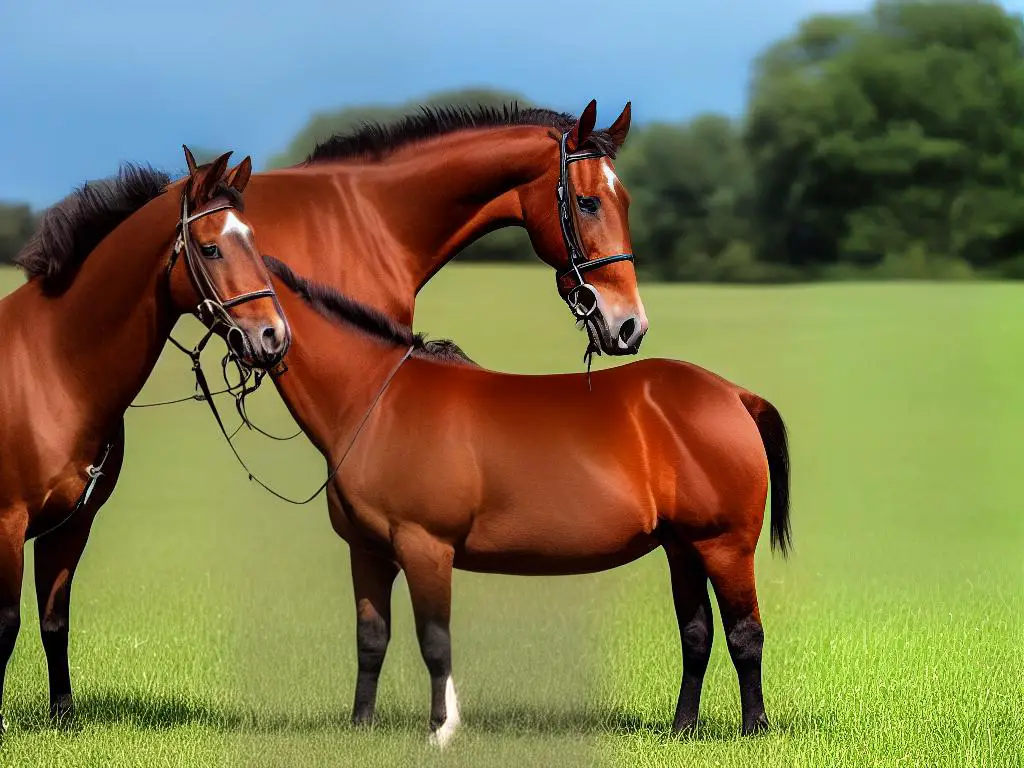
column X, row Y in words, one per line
column 213, row 625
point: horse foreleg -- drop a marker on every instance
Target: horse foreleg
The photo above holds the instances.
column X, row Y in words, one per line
column 427, row 563
column 372, row 580
column 13, row 524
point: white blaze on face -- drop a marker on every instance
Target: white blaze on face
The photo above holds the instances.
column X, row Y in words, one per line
column 443, row 735
column 609, row 176
column 234, row 224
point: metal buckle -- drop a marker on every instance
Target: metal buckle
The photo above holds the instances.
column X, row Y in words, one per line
column 580, row 309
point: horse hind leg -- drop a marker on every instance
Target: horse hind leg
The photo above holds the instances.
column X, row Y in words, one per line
column 428, row 563
column 696, row 628
column 57, row 554
column 730, row 566
column 372, row 579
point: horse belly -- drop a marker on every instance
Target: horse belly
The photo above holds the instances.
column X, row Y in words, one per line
column 573, row 540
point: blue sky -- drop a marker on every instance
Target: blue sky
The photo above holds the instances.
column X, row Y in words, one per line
column 84, row 86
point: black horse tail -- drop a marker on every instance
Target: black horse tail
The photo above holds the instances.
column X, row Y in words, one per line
column 776, row 447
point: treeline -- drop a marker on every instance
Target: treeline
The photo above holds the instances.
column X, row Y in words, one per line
column 17, row 223
column 888, row 144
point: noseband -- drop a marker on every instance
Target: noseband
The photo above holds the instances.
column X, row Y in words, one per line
column 212, row 309
column 578, row 262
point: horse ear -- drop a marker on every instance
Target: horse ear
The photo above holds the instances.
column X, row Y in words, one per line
column 190, row 160
column 581, row 131
column 205, row 181
column 238, row 177
column 620, row 127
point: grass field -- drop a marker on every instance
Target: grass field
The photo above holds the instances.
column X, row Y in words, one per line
column 213, row 625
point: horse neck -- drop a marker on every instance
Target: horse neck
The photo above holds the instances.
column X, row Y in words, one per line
column 402, row 219
column 98, row 341
column 334, row 373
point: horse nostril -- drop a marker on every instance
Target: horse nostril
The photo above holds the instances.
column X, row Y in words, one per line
column 627, row 331
column 236, row 342
column 631, row 333
column 271, row 340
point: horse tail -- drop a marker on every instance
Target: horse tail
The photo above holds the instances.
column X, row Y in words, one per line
column 776, row 447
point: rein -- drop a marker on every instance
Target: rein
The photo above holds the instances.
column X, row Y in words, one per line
column 201, row 383
column 239, row 391
column 216, row 315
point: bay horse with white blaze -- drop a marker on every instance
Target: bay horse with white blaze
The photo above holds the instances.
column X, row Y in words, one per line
column 439, row 464
column 109, row 275
column 377, row 213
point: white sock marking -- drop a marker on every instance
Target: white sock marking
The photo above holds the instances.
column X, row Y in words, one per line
column 443, row 735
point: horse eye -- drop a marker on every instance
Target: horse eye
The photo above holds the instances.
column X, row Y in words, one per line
column 588, row 204
column 211, row 251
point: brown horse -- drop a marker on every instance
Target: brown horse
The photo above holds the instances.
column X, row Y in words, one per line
column 109, row 274
column 441, row 465
column 377, row 213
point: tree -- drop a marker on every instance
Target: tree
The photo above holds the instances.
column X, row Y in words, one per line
column 17, row 223
column 690, row 186
column 894, row 132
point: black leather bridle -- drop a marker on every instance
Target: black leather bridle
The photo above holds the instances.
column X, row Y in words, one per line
column 212, row 309
column 578, row 262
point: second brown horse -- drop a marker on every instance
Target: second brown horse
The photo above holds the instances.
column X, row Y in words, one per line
column 460, row 467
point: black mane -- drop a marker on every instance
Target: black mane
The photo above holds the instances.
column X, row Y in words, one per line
column 335, row 305
column 72, row 228
column 374, row 141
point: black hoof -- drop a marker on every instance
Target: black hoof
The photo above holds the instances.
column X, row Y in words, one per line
column 62, row 710
column 756, row 726
column 362, row 720
column 685, row 727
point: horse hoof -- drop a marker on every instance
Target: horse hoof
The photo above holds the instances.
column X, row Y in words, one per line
column 62, row 710
column 362, row 721
column 685, row 728
column 441, row 737
column 757, row 726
